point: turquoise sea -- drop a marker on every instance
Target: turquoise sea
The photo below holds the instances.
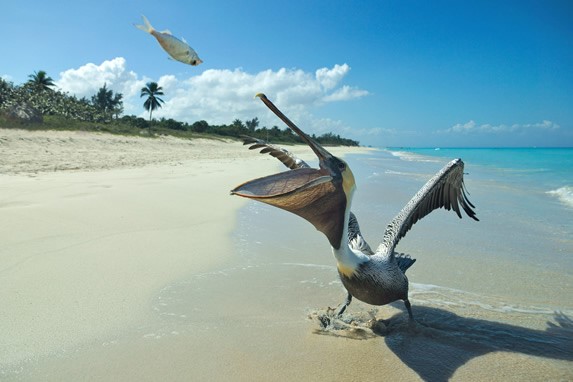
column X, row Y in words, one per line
column 523, row 198
column 541, row 169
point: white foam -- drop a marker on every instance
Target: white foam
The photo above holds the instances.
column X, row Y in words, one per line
column 444, row 296
column 328, row 267
column 392, row 172
column 412, row 157
column 564, row 194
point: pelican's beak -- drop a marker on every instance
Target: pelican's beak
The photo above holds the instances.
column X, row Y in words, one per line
column 320, row 152
column 320, row 196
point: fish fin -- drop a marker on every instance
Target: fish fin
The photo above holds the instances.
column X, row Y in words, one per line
column 167, row 31
column 147, row 27
column 182, row 39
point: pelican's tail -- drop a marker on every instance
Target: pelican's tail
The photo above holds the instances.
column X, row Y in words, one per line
column 147, row 27
column 404, row 261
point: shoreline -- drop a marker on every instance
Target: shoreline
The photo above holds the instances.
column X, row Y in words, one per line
column 152, row 271
column 94, row 225
column 45, row 151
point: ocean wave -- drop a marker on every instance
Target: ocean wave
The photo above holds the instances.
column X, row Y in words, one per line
column 564, row 194
column 412, row 157
column 434, row 295
column 392, row 172
column 310, row 265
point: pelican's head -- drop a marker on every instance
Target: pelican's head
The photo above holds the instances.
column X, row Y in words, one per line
column 321, row 196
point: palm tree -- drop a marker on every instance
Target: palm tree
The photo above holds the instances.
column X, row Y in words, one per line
column 152, row 90
column 40, row 81
column 6, row 89
column 108, row 103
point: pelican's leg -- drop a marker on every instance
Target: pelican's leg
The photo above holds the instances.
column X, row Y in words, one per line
column 409, row 308
column 346, row 303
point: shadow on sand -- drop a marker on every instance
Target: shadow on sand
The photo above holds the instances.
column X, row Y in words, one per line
column 440, row 341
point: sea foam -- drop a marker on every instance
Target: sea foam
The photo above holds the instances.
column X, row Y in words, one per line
column 564, row 194
column 412, row 157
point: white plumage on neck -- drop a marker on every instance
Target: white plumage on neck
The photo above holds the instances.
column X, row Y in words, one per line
column 348, row 259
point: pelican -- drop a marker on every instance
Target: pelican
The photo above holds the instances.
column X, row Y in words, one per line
column 323, row 197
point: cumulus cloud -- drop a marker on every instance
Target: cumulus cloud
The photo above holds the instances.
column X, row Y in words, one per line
column 87, row 79
column 221, row 95
column 345, row 93
column 329, row 78
column 473, row 127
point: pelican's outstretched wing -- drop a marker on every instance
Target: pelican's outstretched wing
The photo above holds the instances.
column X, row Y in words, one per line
column 355, row 238
column 286, row 157
column 446, row 189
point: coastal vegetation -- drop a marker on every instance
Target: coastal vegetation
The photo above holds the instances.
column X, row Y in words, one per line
column 36, row 105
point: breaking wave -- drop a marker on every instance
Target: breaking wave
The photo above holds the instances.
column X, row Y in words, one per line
column 413, row 157
column 564, row 194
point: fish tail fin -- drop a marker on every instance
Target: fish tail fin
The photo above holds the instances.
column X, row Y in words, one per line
column 147, row 27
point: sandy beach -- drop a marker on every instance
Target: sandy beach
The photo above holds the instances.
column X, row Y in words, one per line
column 126, row 259
column 94, row 225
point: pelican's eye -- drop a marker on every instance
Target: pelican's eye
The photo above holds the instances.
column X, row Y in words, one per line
column 341, row 166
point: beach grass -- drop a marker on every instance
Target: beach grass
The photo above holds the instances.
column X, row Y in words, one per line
column 118, row 127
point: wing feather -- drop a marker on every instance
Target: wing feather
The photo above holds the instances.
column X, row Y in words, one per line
column 355, row 238
column 445, row 190
column 286, row 157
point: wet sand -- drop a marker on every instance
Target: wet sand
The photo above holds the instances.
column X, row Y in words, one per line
column 151, row 271
column 253, row 318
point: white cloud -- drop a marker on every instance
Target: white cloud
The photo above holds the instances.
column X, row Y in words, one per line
column 545, row 125
column 458, row 128
column 221, row 95
column 86, row 80
column 345, row 93
column 473, row 127
column 329, row 78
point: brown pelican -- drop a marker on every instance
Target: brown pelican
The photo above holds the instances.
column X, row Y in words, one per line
column 355, row 239
column 323, row 197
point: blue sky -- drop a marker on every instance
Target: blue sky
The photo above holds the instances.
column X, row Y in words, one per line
column 385, row 73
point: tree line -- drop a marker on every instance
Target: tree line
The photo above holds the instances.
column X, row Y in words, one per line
column 106, row 107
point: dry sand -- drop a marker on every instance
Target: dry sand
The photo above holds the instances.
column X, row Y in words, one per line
column 28, row 152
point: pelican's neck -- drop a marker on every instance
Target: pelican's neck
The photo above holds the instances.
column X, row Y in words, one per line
column 347, row 259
